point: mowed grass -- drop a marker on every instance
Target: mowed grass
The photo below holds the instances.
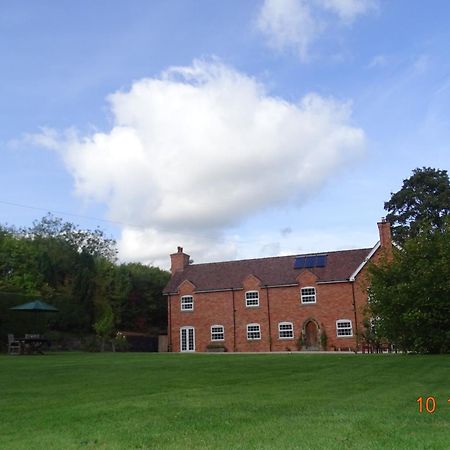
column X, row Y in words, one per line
column 223, row 401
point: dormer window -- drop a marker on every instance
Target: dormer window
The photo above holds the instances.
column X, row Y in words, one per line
column 308, row 295
column 187, row 303
column 251, row 299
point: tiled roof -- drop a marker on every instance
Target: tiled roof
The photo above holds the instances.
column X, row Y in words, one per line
column 272, row 271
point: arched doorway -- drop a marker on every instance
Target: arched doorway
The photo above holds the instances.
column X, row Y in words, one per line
column 311, row 335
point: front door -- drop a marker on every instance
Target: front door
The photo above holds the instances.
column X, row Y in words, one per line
column 311, row 336
column 187, row 339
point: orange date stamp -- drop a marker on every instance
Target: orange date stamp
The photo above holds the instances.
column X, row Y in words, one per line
column 428, row 404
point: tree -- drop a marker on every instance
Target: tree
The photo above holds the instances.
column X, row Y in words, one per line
column 410, row 295
column 423, row 201
column 19, row 267
column 92, row 242
column 77, row 271
column 104, row 327
column 145, row 309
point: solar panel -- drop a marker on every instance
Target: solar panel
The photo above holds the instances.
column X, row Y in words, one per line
column 309, row 262
column 321, row 261
column 299, row 262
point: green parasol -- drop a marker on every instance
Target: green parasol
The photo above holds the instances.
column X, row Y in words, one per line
column 36, row 306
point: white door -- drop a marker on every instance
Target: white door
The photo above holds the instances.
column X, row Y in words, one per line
column 187, row 339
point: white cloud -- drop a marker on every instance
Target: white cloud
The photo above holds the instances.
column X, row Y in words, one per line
column 288, row 23
column 297, row 24
column 47, row 137
column 153, row 246
column 349, row 10
column 201, row 148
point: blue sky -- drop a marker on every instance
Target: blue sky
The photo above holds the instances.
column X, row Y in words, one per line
column 235, row 129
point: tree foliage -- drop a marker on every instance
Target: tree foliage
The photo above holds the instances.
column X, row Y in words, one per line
column 104, row 326
column 423, row 201
column 19, row 265
column 91, row 242
column 77, row 271
column 410, row 295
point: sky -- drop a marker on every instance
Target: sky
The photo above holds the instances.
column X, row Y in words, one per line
column 235, row 129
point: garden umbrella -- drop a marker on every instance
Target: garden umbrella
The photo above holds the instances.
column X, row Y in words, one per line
column 36, row 306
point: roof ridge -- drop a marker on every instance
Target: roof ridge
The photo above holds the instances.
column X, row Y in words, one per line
column 281, row 256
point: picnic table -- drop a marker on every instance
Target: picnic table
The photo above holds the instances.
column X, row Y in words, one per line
column 32, row 345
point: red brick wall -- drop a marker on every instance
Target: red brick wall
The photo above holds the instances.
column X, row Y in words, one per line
column 334, row 301
column 215, row 308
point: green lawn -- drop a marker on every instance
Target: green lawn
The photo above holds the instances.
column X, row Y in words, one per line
column 222, row 401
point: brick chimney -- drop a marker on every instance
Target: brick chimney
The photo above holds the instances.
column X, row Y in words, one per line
column 384, row 229
column 178, row 261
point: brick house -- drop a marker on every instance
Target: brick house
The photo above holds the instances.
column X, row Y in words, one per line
column 312, row 301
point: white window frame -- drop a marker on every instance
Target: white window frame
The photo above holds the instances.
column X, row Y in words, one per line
column 345, row 329
column 187, row 349
column 254, row 300
column 254, row 331
column 285, row 330
column 216, row 332
column 306, row 296
column 187, row 306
